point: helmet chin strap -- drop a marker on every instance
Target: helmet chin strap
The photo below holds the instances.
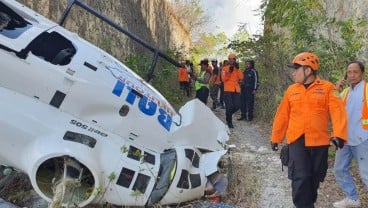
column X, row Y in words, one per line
column 305, row 76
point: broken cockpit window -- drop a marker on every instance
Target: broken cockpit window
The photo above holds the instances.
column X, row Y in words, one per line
column 11, row 24
column 165, row 176
column 52, row 47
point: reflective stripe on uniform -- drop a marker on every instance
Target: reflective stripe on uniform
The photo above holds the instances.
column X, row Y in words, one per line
column 344, row 95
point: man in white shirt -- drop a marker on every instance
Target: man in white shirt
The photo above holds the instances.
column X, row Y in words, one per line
column 356, row 104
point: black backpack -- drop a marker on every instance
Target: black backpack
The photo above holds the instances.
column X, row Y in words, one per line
column 284, row 156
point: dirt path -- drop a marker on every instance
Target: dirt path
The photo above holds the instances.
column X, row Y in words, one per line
column 260, row 181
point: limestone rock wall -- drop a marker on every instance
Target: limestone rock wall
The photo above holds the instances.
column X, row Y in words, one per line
column 336, row 10
column 151, row 20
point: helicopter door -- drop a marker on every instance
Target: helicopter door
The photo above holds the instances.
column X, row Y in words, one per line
column 165, row 176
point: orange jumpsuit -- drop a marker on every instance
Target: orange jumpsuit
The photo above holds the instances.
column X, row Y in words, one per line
column 231, row 91
column 231, row 80
column 183, row 75
column 307, row 111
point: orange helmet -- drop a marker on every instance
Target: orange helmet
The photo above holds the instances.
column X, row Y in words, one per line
column 232, row 56
column 306, row 59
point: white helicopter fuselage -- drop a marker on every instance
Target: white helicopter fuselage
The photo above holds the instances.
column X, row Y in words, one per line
column 63, row 100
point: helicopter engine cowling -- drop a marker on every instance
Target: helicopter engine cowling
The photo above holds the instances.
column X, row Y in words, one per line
column 57, row 173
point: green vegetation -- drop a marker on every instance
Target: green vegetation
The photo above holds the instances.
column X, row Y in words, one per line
column 209, row 46
column 292, row 27
column 164, row 77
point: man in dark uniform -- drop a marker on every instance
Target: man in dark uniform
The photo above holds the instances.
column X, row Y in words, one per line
column 248, row 90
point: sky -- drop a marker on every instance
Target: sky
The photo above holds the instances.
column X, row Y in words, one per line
column 230, row 13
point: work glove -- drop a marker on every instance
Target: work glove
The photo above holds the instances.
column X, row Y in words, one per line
column 338, row 142
column 274, row 146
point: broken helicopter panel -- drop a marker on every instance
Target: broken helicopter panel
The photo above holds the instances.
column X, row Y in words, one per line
column 72, row 116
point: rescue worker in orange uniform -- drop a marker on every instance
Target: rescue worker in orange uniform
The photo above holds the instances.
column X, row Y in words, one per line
column 183, row 78
column 303, row 118
column 231, row 76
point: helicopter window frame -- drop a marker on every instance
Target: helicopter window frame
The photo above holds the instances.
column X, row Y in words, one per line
column 125, row 177
column 134, row 153
column 52, row 47
column 195, row 180
column 12, row 24
column 138, row 155
column 189, row 154
column 196, row 159
column 149, row 158
column 192, row 156
column 184, row 182
column 165, row 175
column 141, row 183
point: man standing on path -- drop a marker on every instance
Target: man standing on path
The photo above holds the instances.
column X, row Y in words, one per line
column 357, row 146
column 231, row 76
column 183, row 78
column 221, row 99
column 248, row 90
column 215, row 83
column 202, row 82
column 303, row 118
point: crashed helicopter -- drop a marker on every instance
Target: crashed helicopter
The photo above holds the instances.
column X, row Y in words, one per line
column 71, row 114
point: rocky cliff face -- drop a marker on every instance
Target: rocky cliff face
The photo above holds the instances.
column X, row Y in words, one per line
column 151, row 20
column 338, row 21
column 356, row 11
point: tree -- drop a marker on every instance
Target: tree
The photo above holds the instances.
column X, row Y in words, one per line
column 209, row 46
column 240, row 42
column 191, row 15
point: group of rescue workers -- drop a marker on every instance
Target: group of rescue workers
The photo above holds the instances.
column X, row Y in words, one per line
column 226, row 84
column 304, row 117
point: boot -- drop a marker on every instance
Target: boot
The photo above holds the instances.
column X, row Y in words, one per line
column 241, row 118
column 213, row 106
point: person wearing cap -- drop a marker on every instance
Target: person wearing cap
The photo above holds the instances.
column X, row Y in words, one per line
column 302, row 117
column 215, row 83
column 231, row 76
column 201, row 83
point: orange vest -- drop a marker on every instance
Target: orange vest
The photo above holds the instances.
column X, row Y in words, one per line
column 308, row 111
column 183, row 75
column 364, row 120
column 215, row 78
column 231, row 80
